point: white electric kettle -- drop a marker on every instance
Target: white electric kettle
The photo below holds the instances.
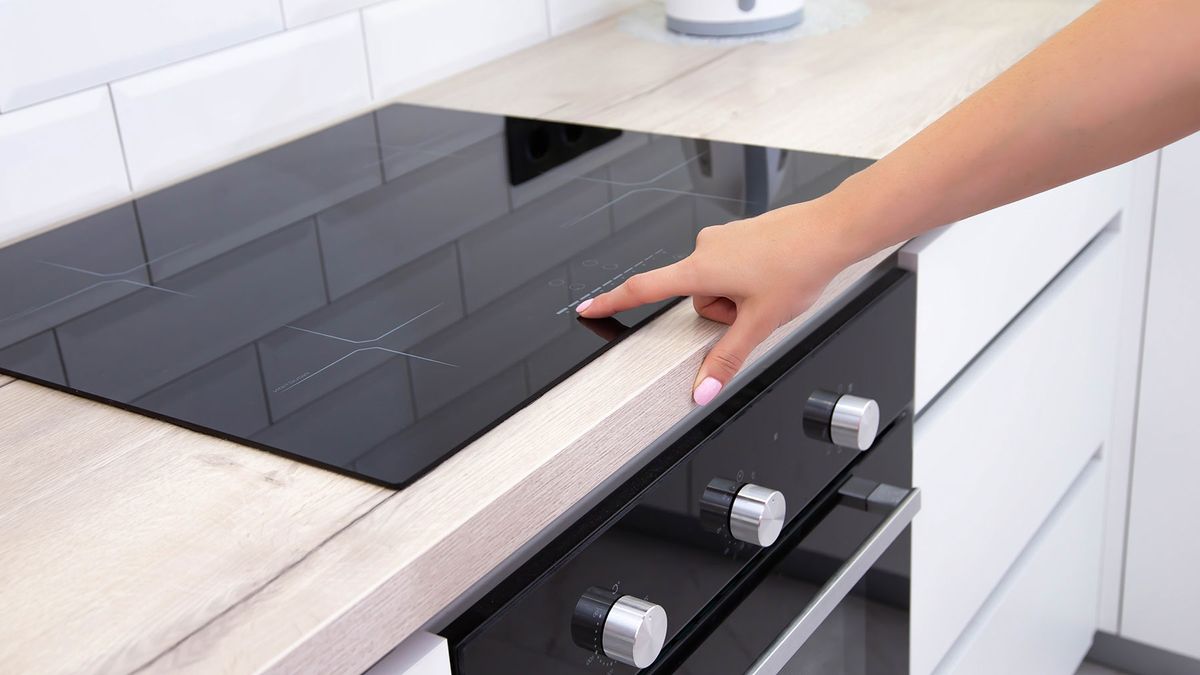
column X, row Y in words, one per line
column 732, row 17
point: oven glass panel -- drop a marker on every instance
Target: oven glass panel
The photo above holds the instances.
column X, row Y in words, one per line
column 867, row 634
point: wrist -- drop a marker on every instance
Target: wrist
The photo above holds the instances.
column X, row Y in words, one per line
column 863, row 217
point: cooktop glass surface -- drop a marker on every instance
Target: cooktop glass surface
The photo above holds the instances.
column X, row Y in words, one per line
column 374, row 296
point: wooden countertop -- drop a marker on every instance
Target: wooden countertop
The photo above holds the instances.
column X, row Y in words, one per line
column 133, row 545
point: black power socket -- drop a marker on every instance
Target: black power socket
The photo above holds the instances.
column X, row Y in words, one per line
column 537, row 146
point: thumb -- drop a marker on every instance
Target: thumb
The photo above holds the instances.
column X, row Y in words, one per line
column 726, row 357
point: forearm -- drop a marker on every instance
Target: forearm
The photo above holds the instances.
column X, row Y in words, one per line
column 1119, row 82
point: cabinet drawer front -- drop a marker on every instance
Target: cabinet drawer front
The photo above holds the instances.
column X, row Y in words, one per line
column 973, row 278
column 1043, row 616
column 1000, row 447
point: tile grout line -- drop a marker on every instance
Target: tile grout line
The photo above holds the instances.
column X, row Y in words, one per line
column 362, row 31
column 112, row 104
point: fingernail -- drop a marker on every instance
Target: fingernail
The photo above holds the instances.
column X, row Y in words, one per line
column 584, row 305
column 707, row 391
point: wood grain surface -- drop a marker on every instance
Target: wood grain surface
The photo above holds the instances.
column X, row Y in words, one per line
column 860, row 91
column 142, row 547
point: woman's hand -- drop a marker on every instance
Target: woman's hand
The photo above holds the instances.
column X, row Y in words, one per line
column 754, row 275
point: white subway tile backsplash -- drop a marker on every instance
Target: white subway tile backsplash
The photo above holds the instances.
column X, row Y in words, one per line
column 58, row 159
column 300, row 12
column 414, row 42
column 64, row 46
column 190, row 116
column 567, row 15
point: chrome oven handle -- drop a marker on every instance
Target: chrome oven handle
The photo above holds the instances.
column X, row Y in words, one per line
column 837, row 588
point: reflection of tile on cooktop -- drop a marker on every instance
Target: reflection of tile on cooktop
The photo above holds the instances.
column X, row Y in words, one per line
column 227, row 392
column 413, row 136
column 383, row 320
column 119, row 351
column 608, row 263
column 219, row 211
column 348, row 421
column 35, row 357
column 500, row 256
column 715, row 212
column 554, row 358
column 68, row 271
column 646, row 179
column 378, row 231
column 431, row 437
column 488, row 341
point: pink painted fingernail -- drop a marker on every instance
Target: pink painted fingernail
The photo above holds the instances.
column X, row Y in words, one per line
column 584, row 305
column 707, row 391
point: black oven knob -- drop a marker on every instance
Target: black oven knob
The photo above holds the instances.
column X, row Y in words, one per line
column 752, row 513
column 622, row 627
column 847, row 421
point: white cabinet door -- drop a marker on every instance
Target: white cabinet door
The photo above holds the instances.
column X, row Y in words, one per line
column 974, row 277
column 1162, row 590
column 1042, row 616
column 1001, row 446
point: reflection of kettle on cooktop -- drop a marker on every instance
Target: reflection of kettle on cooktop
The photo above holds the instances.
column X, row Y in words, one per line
column 732, row 17
column 744, row 179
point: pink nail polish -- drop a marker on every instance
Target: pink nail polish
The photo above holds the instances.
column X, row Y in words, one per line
column 584, row 305
column 707, row 391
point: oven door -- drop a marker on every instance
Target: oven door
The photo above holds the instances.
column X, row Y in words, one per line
column 833, row 600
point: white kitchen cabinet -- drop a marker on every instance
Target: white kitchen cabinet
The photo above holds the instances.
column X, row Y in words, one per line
column 1042, row 616
column 1163, row 552
column 1002, row 445
column 974, row 277
column 420, row 654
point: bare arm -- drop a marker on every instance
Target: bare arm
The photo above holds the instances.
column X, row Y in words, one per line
column 1122, row 80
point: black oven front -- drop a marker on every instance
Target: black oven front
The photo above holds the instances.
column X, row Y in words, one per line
column 771, row 537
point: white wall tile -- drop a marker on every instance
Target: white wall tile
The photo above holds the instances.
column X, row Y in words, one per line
column 299, row 12
column 414, row 42
column 567, row 15
column 183, row 118
column 63, row 46
column 60, row 158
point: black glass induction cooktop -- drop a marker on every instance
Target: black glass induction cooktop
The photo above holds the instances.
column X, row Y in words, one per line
column 374, row 296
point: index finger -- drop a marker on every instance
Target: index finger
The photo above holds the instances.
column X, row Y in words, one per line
column 640, row 289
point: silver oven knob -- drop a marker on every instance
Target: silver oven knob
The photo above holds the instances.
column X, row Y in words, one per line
column 622, row 627
column 757, row 515
column 854, row 423
column 754, row 514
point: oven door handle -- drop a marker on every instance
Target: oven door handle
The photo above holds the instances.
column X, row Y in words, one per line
column 838, row 587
